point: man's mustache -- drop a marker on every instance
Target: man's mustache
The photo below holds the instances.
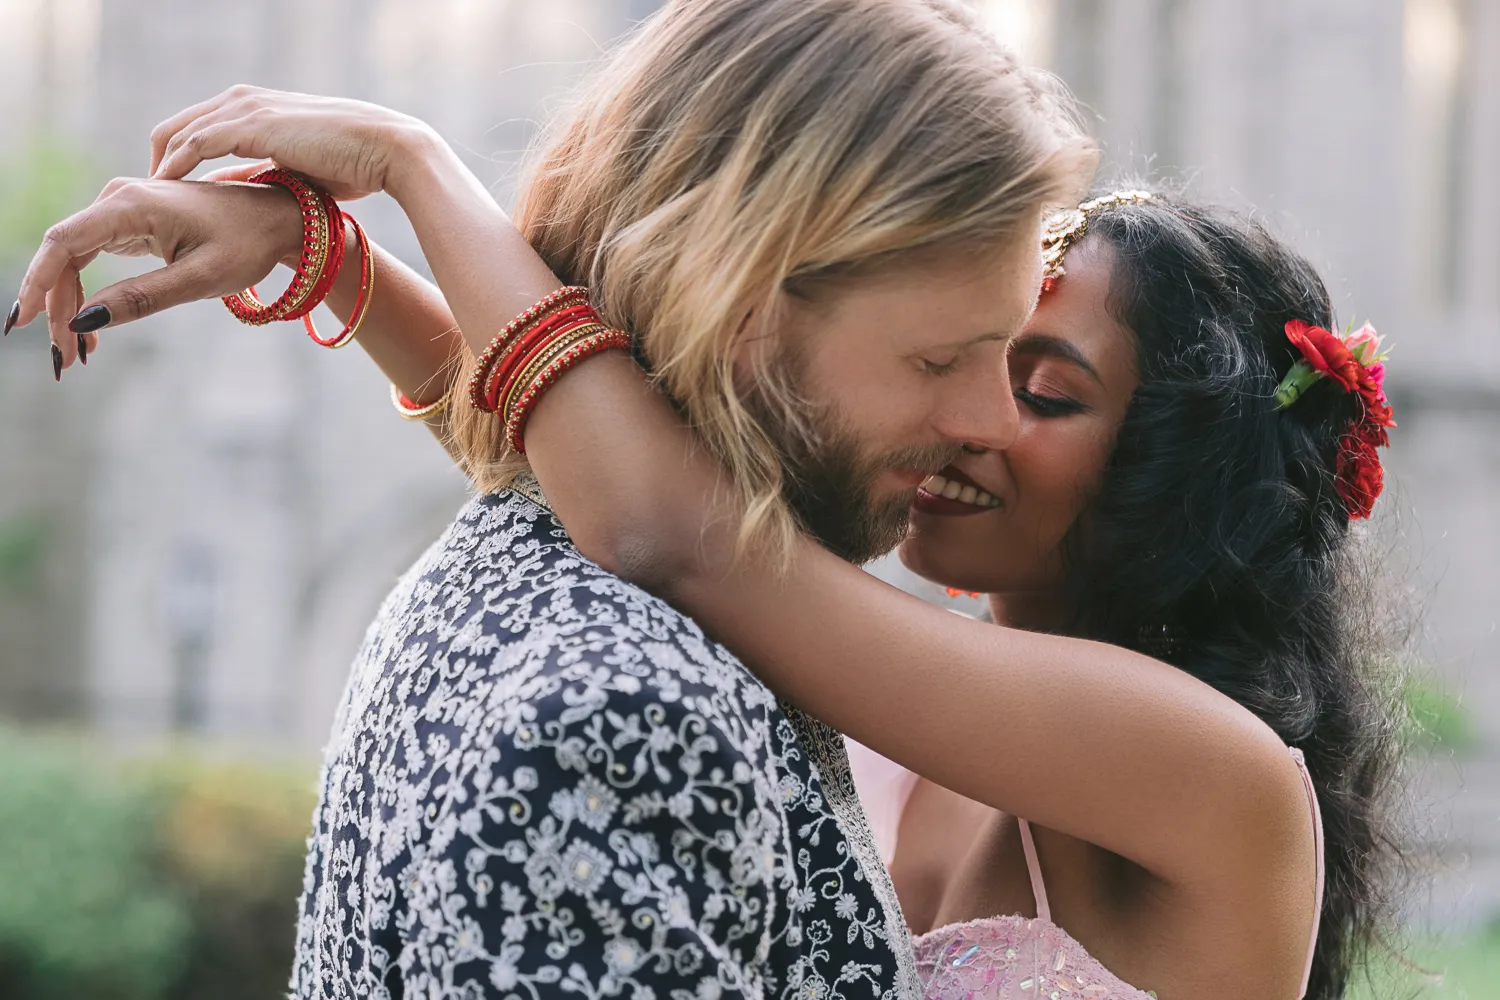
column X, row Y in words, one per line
column 929, row 459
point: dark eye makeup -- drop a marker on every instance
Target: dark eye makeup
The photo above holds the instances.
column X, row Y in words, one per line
column 1049, row 406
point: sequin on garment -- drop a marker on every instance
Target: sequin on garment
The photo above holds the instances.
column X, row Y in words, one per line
column 1015, row 957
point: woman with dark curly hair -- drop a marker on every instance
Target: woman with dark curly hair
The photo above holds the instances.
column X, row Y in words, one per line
column 1160, row 499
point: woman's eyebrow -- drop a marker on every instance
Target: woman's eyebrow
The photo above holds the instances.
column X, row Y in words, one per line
column 1049, row 346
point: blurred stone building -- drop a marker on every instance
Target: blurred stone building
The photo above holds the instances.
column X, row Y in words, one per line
column 196, row 529
column 220, row 512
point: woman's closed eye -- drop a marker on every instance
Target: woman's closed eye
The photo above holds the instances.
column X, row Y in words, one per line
column 1044, row 405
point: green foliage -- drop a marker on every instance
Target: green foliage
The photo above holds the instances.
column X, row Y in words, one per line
column 23, row 544
column 1454, row 969
column 165, row 878
column 42, row 184
column 234, row 838
column 1437, row 717
column 80, row 913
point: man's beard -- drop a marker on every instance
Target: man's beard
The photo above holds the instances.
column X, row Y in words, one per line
column 829, row 483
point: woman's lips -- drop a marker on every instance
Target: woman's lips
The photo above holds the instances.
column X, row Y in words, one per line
column 950, row 493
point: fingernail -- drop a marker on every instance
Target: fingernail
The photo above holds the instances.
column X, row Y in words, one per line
column 15, row 314
column 83, row 349
column 91, row 319
column 56, row 363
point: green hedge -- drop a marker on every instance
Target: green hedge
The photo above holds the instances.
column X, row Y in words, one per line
column 169, row 877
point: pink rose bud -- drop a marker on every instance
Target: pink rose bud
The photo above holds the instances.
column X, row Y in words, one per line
column 1364, row 344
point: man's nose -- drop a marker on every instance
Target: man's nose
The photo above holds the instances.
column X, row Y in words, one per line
column 984, row 414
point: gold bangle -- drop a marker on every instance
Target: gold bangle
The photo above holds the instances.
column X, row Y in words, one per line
column 321, row 244
column 410, row 411
column 528, row 375
column 345, row 337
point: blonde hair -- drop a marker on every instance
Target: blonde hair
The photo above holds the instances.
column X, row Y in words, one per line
column 735, row 149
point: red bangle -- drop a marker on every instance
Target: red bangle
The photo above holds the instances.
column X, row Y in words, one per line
column 527, row 373
column 318, row 264
column 410, row 410
column 361, row 300
column 479, row 377
column 515, row 422
column 524, row 348
column 336, row 245
column 510, row 337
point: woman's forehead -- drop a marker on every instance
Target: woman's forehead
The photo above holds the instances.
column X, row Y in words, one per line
column 1077, row 309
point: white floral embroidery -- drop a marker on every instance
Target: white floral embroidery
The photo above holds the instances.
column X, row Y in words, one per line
column 544, row 781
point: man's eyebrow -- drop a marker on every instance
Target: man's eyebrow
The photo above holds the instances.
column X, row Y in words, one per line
column 1046, row 345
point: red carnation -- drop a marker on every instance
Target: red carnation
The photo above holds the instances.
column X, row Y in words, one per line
column 1360, row 477
column 1377, row 410
column 1326, row 352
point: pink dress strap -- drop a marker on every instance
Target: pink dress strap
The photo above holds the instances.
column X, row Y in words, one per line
column 1034, row 867
column 1317, row 818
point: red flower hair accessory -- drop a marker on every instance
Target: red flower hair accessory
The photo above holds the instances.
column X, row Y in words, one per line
column 1356, row 362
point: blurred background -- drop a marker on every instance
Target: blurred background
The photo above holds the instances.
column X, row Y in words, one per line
column 196, row 529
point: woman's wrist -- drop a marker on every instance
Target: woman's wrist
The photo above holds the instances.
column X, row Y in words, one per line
column 284, row 218
column 417, row 157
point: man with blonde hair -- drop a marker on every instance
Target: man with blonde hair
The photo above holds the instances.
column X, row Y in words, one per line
column 820, row 220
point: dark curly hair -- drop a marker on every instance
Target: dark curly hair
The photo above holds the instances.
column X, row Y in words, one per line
column 1217, row 541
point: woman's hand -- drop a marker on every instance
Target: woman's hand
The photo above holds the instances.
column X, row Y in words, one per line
column 349, row 148
column 217, row 239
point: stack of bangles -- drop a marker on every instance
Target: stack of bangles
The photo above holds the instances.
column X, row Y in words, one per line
column 519, row 365
column 324, row 245
column 532, row 352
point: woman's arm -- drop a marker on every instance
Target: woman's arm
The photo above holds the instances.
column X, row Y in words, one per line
column 352, row 148
column 1093, row 740
column 408, row 330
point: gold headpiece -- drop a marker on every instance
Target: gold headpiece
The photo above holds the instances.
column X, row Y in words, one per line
column 1067, row 227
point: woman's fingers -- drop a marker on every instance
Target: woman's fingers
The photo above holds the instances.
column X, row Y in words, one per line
column 62, row 303
column 188, row 279
column 87, row 343
column 77, row 236
column 236, row 113
column 216, row 240
column 239, row 173
column 342, row 146
column 120, row 222
column 115, row 221
column 235, row 137
column 163, row 134
column 126, row 218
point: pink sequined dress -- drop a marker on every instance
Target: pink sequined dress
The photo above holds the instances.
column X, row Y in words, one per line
column 1012, row 957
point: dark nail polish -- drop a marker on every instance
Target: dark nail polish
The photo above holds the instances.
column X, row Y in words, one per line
column 83, row 349
column 91, row 319
column 56, row 363
column 15, row 314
